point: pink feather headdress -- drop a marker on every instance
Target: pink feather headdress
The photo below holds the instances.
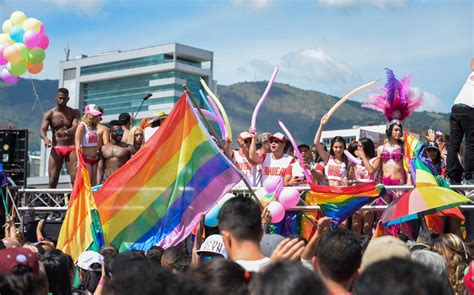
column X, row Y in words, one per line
column 397, row 102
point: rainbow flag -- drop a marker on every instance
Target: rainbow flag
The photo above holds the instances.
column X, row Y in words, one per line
column 81, row 229
column 340, row 203
column 160, row 194
column 413, row 148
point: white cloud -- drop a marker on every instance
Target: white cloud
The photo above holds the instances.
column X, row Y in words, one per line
column 431, row 102
column 350, row 3
column 317, row 65
column 253, row 4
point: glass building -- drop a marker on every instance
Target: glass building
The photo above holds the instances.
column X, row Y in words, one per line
column 117, row 81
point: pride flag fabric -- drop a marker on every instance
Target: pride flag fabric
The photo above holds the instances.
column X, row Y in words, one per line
column 81, row 229
column 340, row 203
column 159, row 195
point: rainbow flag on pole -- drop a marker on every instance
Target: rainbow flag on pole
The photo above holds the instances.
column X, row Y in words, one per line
column 81, row 229
column 341, row 202
column 159, row 195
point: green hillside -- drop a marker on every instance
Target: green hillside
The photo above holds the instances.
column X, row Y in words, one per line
column 299, row 109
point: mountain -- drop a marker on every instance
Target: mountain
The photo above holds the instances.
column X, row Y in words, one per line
column 299, row 109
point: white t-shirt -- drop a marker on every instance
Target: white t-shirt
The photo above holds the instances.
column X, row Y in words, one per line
column 247, row 169
column 466, row 95
column 254, row 265
column 272, row 167
column 335, row 171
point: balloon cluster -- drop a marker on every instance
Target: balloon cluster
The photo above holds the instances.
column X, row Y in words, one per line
column 22, row 46
column 276, row 198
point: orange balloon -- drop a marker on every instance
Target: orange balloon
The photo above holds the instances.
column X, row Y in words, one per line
column 34, row 68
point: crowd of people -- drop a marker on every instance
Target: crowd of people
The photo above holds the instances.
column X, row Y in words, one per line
column 241, row 255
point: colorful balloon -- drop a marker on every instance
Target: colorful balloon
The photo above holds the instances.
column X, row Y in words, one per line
column 12, row 54
column 32, row 38
column 34, row 68
column 289, row 197
column 32, row 24
column 212, row 217
column 16, row 33
column 263, row 197
column 5, row 38
column 23, row 50
column 16, row 69
column 41, row 28
column 3, row 60
column 6, row 26
column 36, row 55
column 271, row 183
column 7, row 77
column 277, row 211
column 17, row 18
column 44, row 42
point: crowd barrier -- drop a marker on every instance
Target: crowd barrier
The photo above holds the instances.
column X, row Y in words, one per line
column 31, row 200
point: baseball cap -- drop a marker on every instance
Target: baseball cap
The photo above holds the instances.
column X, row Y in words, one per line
column 432, row 145
column 86, row 259
column 213, row 244
column 384, row 248
column 92, row 109
column 269, row 243
column 245, row 135
column 278, row 136
column 124, row 118
column 13, row 257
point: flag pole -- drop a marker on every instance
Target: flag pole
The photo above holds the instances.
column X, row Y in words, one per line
column 219, row 143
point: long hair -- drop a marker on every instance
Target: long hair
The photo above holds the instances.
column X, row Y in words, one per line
column 87, row 118
column 368, row 146
column 131, row 135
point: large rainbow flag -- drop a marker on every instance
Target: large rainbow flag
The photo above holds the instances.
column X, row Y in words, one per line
column 340, row 203
column 81, row 229
column 159, row 195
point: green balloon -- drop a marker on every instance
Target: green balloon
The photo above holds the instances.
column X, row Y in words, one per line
column 23, row 50
column 17, row 69
column 36, row 55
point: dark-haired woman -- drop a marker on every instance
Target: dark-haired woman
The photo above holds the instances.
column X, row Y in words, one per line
column 364, row 172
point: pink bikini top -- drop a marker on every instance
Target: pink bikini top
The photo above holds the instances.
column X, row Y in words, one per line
column 395, row 155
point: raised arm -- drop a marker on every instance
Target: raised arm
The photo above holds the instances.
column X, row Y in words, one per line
column 44, row 129
column 253, row 155
column 371, row 168
column 317, row 139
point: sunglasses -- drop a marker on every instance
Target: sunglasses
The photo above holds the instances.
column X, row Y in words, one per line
column 274, row 141
column 206, row 257
column 120, row 131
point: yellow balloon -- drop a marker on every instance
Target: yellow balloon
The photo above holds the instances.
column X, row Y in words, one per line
column 32, row 24
column 12, row 53
column 6, row 26
column 5, row 38
column 17, row 18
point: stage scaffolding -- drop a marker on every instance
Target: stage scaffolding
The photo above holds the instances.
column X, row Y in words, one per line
column 26, row 202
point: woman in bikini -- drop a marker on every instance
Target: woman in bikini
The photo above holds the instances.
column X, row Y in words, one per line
column 88, row 142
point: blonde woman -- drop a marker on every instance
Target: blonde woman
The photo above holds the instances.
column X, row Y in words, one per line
column 136, row 137
column 457, row 256
column 87, row 140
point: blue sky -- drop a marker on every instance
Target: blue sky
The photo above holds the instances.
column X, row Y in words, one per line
column 327, row 45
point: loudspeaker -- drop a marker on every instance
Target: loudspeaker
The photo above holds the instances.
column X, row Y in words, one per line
column 14, row 154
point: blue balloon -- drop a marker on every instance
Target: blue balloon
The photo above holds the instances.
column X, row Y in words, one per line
column 211, row 218
column 16, row 33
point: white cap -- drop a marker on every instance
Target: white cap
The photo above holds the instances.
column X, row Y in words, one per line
column 86, row 259
column 213, row 244
column 278, row 136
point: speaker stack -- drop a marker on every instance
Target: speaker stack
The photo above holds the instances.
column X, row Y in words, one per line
column 14, row 154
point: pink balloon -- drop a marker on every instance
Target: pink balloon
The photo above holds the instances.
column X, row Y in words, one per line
column 41, row 31
column 277, row 211
column 289, row 197
column 7, row 77
column 31, row 38
column 44, row 42
column 271, row 183
column 3, row 60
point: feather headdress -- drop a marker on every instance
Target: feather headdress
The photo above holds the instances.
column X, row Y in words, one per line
column 397, row 102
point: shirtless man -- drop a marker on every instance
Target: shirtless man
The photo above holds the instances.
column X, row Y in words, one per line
column 63, row 121
column 116, row 153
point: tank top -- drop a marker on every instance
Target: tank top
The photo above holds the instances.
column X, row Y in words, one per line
column 361, row 173
column 274, row 168
column 89, row 139
column 335, row 171
column 247, row 169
